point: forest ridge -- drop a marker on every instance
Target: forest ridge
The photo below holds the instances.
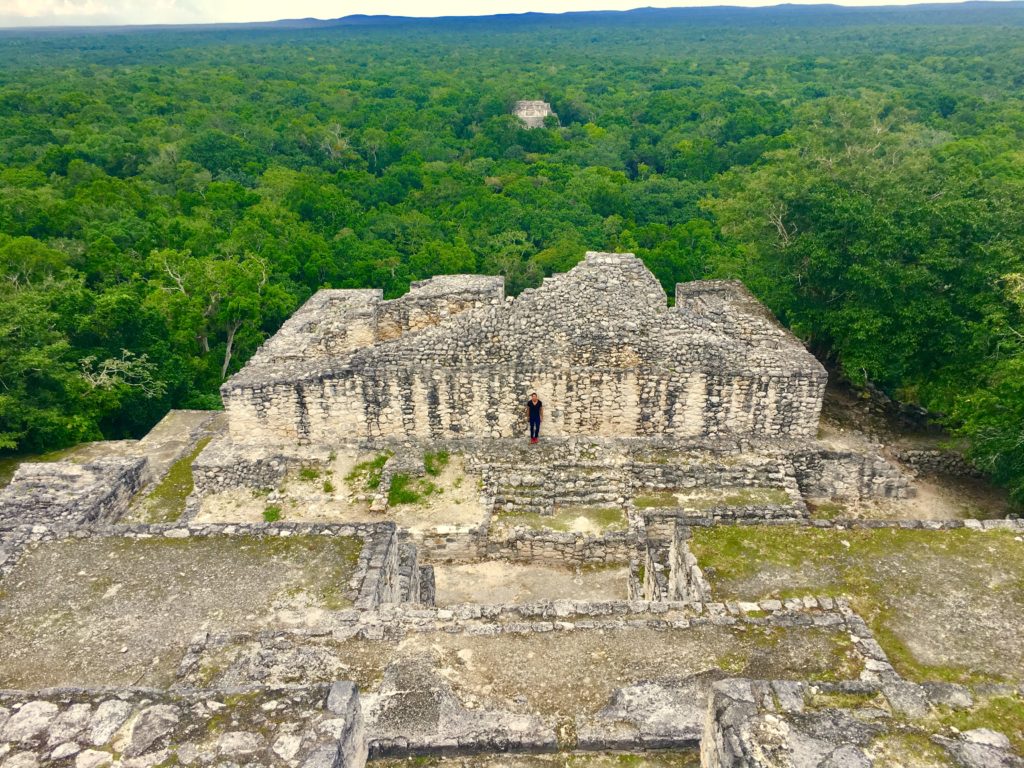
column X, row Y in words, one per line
column 169, row 196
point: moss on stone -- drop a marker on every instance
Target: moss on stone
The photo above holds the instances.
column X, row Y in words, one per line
column 166, row 502
column 906, row 748
column 1000, row 713
column 567, row 519
column 882, row 571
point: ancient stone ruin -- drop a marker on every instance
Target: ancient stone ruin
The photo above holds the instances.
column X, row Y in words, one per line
column 533, row 113
column 363, row 558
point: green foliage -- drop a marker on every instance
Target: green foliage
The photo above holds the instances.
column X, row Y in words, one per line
column 435, row 462
column 309, row 473
column 1000, row 713
column 366, row 475
column 408, row 490
column 168, row 198
column 166, row 502
column 272, row 513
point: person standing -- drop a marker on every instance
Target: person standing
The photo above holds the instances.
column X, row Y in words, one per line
column 535, row 413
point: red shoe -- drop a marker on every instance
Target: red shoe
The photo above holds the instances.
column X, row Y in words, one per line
column 533, row 439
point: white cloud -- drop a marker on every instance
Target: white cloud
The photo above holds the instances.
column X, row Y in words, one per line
column 48, row 12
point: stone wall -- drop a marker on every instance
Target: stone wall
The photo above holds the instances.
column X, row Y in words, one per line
column 63, row 492
column 936, row 461
column 532, row 113
column 599, row 344
column 770, row 723
column 848, row 475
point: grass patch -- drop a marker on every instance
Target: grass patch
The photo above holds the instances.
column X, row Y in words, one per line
column 328, row 486
column 272, row 513
column 367, row 474
column 567, row 519
column 751, row 497
column 166, row 502
column 435, row 462
column 910, row 748
column 892, row 577
column 655, row 500
column 703, row 499
column 409, row 490
column 841, row 700
column 1000, row 713
column 309, row 473
column 826, row 510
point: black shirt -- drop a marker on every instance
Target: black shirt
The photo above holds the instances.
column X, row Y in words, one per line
column 534, row 409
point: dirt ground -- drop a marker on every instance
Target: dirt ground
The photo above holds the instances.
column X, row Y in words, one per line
column 847, row 424
column 282, row 662
column 566, row 674
column 495, row 581
column 457, row 501
column 120, row 611
column 557, row 673
column 323, row 498
column 945, row 605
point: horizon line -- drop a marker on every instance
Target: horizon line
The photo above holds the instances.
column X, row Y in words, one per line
column 754, row 5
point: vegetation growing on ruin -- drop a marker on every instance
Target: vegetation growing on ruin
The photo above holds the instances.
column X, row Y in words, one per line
column 405, row 489
column 168, row 197
column 435, row 461
column 651, row 759
column 166, row 502
column 1000, row 713
column 567, row 519
column 366, row 475
column 708, row 498
column 896, row 580
column 271, row 513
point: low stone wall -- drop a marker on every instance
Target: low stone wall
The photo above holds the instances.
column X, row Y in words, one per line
column 686, row 579
column 565, row 549
column 223, row 465
column 935, row 461
column 849, row 475
column 65, row 493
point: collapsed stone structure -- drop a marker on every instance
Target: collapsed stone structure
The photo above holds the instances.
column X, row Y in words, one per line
column 533, row 113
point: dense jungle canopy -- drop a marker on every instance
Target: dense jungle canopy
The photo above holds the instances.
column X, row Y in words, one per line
column 169, row 196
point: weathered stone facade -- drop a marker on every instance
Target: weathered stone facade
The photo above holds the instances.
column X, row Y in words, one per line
column 599, row 344
column 533, row 113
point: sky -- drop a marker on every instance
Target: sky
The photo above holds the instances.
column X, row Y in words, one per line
column 20, row 13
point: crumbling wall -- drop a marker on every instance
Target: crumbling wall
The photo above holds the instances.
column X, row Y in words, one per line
column 936, row 461
column 66, row 493
column 849, row 475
